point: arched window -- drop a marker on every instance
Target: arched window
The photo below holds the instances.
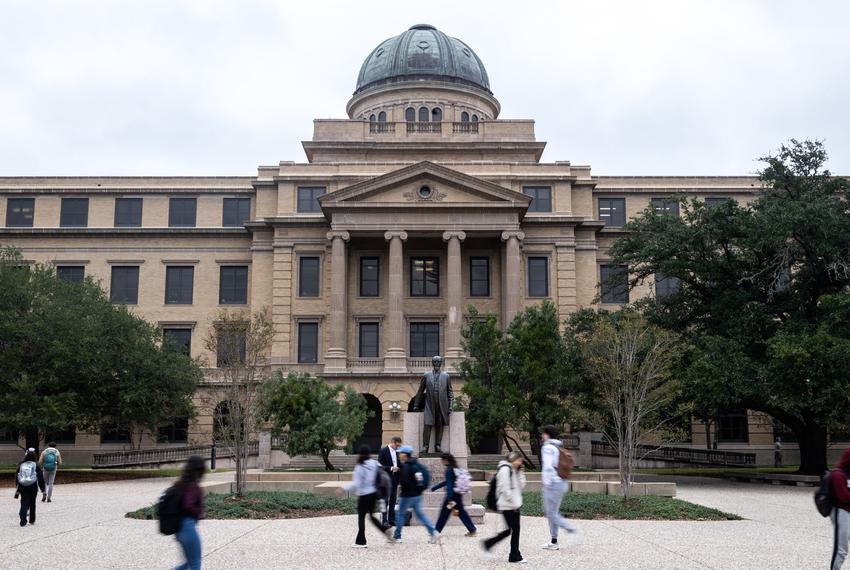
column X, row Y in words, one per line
column 437, row 115
column 372, row 118
column 423, row 114
column 464, row 117
column 410, row 115
column 474, row 118
column 382, row 117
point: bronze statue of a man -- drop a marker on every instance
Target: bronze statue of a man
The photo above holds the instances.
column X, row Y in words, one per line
column 436, row 389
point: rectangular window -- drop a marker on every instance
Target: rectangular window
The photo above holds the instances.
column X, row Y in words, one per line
column 71, row 273
column 114, row 434
column 370, row 274
column 541, row 198
column 308, row 277
column 665, row 206
column 733, row 427
column 8, row 436
column 479, row 276
column 424, row 277
column 235, row 212
column 308, row 343
column 125, row 285
column 230, row 348
column 128, row 212
column 612, row 211
column 368, row 340
column 718, row 201
column 182, row 212
column 67, row 436
column 179, row 281
column 179, row 339
column 175, row 432
column 233, row 285
column 308, row 199
column 20, row 212
column 74, row 213
column 615, row 283
column 424, row 340
column 538, row 276
column 666, row 285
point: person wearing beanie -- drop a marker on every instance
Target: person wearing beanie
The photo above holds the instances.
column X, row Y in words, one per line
column 363, row 484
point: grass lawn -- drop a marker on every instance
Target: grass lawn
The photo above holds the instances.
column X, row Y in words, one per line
column 717, row 471
column 611, row 507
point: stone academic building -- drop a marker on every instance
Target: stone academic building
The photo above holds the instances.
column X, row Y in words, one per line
column 423, row 201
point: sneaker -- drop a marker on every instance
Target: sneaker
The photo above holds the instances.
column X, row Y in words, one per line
column 551, row 546
column 49, row 500
column 471, row 534
column 358, row 546
column 389, row 534
column 23, row 523
column 520, row 561
column 398, row 540
column 43, row 497
column 435, row 538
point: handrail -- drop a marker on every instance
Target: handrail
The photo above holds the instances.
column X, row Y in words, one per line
column 162, row 455
column 681, row 454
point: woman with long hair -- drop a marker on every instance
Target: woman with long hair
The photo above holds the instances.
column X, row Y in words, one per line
column 192, row 505
column 453, row 501
column 363, row 484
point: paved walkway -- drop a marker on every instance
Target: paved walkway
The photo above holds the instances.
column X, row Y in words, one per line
column 85, row 528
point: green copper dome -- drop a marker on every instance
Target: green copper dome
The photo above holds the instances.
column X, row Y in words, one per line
column 422, row 52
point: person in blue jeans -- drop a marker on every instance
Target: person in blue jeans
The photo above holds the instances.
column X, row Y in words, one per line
column 414, row 478
column 192, row 503
column 452, row 500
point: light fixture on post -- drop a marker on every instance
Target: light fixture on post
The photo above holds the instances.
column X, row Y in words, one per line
column 395, row 409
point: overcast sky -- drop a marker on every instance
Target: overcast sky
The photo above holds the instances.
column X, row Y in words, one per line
column 217, row 88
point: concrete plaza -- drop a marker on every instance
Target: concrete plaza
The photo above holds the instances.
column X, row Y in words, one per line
column 85, row 528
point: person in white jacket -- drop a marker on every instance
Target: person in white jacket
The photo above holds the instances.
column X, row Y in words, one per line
column 553, row 487
column 510, row 481
column 363, row 484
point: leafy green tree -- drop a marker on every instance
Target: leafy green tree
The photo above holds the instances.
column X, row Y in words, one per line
column 759, row 283
column 312, row 415
column 68, row 357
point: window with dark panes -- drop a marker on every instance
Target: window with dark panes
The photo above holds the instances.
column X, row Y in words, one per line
column 179, row 283
column 182, row 212
column 665, row 286
column 125, row 285
column 717, row 201
column 612, row 211
column 66, row 436
column 541, row 198
column 308, row 343
column 424, row 277
column 479, row 276
column 423, row 114
column 74, row 213
column 235, row 212
column 733, row 427
column 128, row 212
column 615, row 283
column 179, row 338
column 233, row 285
column 20, row 212
column 410, row 115
column 464, row 117
column 538, row 276
column 665, row 206
column 71, row 273
column 175, row 432
column 370, row 275
column 382, row 117
column 113, row 434
column 368, row 340
column 308, row 198
column 8, row 436
column 424, row 340
column 308, row 276
column 230, row 347
column 436, row 115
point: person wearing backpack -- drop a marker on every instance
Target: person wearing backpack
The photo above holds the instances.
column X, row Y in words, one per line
column 509, row 483
column 364, row 482
column 454, row 495
column 414, row 478
column 50, row 461
column 29, row 479
column 190, row 510
column 839, row 496
column 552, row 473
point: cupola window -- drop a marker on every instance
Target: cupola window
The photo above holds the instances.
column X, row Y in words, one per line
column 382, row 117
column 410, row 115
column 437, row 115
column 423, row 114
column 474, row 118
column 464, row 117
column 372, row 118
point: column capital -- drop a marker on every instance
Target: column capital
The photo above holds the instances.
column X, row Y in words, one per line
column 460, row 235
column 400, row 234
column 518, row 234
column 341, row 234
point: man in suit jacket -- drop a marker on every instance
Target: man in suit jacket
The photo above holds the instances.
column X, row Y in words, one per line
column 388, row 458
column 435, row 391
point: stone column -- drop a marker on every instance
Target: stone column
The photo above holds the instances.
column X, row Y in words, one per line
column 512, row 287
column 395, row 358
column 454, row 296
column 335, row 355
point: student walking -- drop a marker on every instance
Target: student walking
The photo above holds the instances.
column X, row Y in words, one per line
column 453, row 500
column 510, row 481
column 554, row 488
column 840, row 497
column 192, row 508
column 363, row 483
column 414, row 479
column 388, row 458
column 50, row 461
column 29, row 479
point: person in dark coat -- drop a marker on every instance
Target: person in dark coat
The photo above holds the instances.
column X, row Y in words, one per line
column 388, row 458
column 435, row 391
column 192, row 505
column 28, row 480
column 453, row 501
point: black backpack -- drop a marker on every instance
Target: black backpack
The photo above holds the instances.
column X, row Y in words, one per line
column 492, row 500
column 823, row 495
column 169, row 511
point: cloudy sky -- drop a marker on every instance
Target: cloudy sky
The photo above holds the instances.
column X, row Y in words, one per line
column 211, row 87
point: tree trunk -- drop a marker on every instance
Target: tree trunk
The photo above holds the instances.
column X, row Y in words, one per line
column 326, row 458
column 812, row 440
column 31, row 437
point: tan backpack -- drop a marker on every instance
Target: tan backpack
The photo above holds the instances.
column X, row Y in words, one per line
column 565, row 463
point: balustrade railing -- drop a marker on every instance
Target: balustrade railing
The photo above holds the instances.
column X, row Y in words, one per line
column 681, row 454
column 358, row 363
column 468, row 128
column 416, row 127
column 419, row 363
column 380, row 128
